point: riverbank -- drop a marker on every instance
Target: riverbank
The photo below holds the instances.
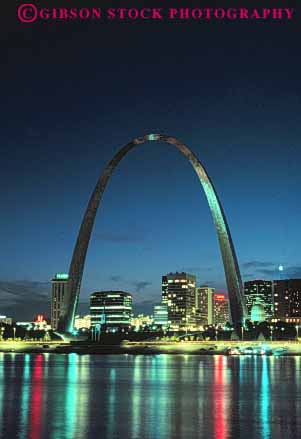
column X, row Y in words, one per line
column 157, row 347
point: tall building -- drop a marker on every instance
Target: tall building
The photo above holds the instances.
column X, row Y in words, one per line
column 111, row 309
column 58, row 295
column 287, row 297
column 260, row 292
column 205, row 305
column 178, row 292
column 221, row 309
column 161, row 315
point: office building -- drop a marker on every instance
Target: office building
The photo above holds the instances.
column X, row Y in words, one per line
column 221, row 309
column 161, row 315
column 178, row 293
column 112, row 310
column 141, row 322
column 58, row 296
column 287, row 298
column 82, row 322
column 260, row 292
column 205, row 305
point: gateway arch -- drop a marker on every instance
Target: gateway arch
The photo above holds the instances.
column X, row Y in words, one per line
column 232, row 273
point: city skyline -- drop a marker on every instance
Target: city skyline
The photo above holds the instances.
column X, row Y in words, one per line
column 243, row 124
column 177, row 128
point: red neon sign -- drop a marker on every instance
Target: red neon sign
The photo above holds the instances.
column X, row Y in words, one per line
column 220, row 297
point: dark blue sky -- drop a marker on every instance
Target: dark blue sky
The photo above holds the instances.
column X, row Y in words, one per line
column 75, row 93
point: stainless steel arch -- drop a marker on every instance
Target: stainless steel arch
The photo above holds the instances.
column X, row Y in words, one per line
column 233, row 278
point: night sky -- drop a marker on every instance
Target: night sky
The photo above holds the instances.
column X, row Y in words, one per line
column 74, row 93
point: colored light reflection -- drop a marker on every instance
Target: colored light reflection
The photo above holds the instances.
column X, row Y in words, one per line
column 83, row 409
column 36, row 398
column 136, row 396
column 112, row 404
column 265, row 400
column 160, row 385
column 25, row 398
column 221, row 427
column 71, row 396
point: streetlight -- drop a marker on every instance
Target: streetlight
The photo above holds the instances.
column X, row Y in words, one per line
column 297, row 329
column 271, row 328
column 14, row 329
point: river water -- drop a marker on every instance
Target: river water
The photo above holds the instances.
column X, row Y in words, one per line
column 164, row 396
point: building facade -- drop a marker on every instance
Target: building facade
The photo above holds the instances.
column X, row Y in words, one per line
column 6, row 320
column 112, row 310
column 178, row 293
column 260, row 292
column 205, row 305
column 161, row 315
column 287, row 297
column 58, row 295
column 141, row 322
column 221, row 309
column 83, row 322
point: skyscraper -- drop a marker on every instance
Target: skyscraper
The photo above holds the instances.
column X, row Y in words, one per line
column 260, row 292
column 111, row 309
column 287, row 296
column 178, row 292
column 205, row 305
column 221, row 309
column 58, row 295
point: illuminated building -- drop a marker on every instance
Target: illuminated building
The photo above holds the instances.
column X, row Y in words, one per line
column 287, row 298
column 141, row 321
column 221, row 309
column 178, row 293
column 58, row 296
column 38, row 324
column 205, row 305
column 260, row 292
column 82, row 322
column 112, row 310
column 292, row 320
column 161, row 315
column 258, row 313
column 6, row 320
column 231, row 268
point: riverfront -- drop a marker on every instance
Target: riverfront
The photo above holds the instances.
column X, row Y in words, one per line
column 155, row 347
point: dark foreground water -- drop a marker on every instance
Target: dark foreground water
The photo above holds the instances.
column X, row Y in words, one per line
column 82, row 396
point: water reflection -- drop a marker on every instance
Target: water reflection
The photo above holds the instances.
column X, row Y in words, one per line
column 220, row 397
column 265, row 400
column 35, row 417
column 164, row 397
column 71, row 395
column 25, row 395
